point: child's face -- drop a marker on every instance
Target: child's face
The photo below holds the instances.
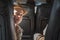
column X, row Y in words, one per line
column 18, row 16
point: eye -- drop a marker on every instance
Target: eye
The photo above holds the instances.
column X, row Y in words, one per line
column 18, row 13
column 21, row 14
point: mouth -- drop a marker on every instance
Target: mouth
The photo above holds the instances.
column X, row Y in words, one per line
column 17, row 20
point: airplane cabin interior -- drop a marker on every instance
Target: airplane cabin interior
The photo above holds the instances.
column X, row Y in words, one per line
column 29, row 19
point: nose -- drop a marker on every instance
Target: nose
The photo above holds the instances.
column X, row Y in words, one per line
column 19, row 16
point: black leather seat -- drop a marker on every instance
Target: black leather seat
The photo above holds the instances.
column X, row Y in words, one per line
column 53, row 30
column 5, row 19
column 42, row 17
column 50, row 2
column 2, row 28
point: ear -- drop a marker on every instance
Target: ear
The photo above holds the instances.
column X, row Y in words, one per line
column 25, row 12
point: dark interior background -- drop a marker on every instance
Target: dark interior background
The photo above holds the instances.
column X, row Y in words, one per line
column 32, row 22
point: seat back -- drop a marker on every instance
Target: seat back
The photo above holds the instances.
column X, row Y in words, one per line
column 53, row 30
column 27, row 23
column 2, row 28
column 42, row 17
column 5, row 20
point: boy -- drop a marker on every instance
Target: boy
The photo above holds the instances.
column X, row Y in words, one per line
column 19, row 12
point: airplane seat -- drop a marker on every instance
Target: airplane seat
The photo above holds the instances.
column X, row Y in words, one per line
column 50, row 2
column 53, row 30
column 5, row 32
column 42, row 17
column 27, row 23
column 2, row 28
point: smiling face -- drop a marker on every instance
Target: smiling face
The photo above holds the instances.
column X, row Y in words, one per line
column 18, row 14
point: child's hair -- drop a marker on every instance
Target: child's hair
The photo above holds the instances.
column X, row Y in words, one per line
column 24, row 10
column 20, row 9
